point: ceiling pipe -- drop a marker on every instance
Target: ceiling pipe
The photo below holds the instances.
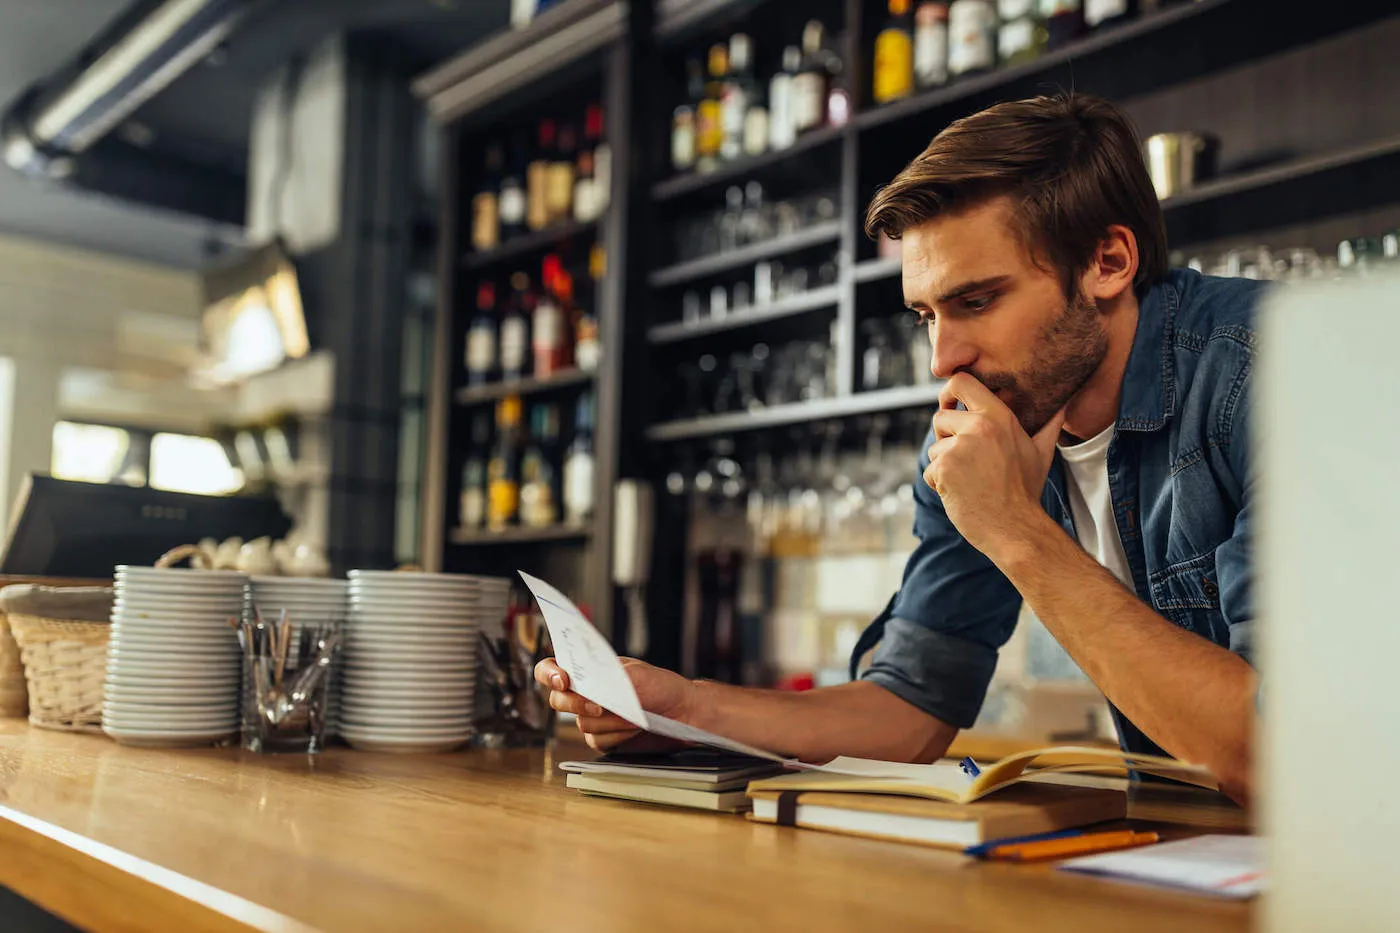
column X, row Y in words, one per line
column 47, row 127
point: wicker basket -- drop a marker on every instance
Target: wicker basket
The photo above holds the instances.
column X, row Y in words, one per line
column 65, row 665
column 14, row 696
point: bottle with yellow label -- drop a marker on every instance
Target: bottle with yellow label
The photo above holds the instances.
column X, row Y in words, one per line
column 503, row 472
column 709, row 121
column 894, row 55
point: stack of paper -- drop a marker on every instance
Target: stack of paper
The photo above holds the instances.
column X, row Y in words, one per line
column 700, row 778
column 1228, row 866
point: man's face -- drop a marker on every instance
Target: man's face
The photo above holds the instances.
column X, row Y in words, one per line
column 993, row 313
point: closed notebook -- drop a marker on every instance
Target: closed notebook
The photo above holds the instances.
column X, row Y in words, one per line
column 730, row 799
column 1020, row 810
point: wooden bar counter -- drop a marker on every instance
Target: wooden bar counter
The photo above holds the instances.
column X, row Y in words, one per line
column 123, row 839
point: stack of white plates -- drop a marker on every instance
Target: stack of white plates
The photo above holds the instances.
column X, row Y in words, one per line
column 173, row 661
column 411, row 658
column 307, row 601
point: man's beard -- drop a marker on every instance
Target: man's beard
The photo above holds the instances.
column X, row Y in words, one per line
column 1069, row 351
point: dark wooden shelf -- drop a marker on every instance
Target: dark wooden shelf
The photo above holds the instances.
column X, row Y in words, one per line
column 861, row 403
column 1284, row 172
column 873, row 270
column 698, row 181
column 529, row 243
column 462, row 537
column 824, row 297
column 513, row 59
column 970, row 87
column 475, row 395
column 827, row 232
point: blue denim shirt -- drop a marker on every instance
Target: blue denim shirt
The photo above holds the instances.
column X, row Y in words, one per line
column 1181, row 480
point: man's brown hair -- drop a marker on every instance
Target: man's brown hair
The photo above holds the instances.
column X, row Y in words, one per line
column 1071, row 164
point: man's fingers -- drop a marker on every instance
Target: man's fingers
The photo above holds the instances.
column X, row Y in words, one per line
column 950, row 421
column 965, row 388
column 549, row 674
column 606, row 723
column 607, row 741
column 573, row 703
column 1046, row 438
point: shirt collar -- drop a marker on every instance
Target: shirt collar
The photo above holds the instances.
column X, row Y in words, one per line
column 1148, row 396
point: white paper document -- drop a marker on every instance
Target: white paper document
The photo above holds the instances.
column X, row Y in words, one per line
column 1228, row 866
column 596, row 673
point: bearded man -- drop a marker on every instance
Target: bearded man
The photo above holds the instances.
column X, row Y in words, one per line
column 1090, row 457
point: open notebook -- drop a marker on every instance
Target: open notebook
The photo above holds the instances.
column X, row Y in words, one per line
column 596, row 673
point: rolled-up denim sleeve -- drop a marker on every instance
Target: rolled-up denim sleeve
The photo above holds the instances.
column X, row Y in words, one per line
column 954, row 610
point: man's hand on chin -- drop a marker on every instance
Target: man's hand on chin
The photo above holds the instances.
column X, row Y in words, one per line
column 987, row 470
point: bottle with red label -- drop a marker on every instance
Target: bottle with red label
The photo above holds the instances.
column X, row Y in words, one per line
column 551, row 330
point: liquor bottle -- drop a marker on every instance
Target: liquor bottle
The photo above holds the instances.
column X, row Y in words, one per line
column 1021, row 38
column 756, row 129
column 894, row 55
column 537, row 178
column 503, row 471
column 1100, row 14
column 539, row 473
column 550, row 343
column 931, row 44
column 512, row 199
column 972, row 37
column 709, row 121
column 782, row 131
column 1064, row 21
column 736, row 96
column 602, row 158
column 588, row 350
column 559, row 188
column 486, row 213
column 472, row 506
column 585, row 188
column 578, row 466
column 683, row 133
column 514, row 357
column 481, row 337
column 809, row 91
column 838, row 95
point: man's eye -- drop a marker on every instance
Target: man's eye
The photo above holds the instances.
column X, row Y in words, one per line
column 980, row 303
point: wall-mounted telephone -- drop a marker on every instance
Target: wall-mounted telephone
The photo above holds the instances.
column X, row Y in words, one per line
column 633, row 516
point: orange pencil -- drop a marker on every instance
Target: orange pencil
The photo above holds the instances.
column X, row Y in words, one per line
column 1072, row 845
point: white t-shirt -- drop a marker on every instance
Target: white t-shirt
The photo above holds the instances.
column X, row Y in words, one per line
column 1086, row 482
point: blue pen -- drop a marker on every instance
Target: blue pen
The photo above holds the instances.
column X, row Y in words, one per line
column 970, row 768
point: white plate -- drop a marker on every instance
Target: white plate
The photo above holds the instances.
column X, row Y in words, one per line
column 409, row 689
column 169, row 719
column 398, row 662
column 381, row 659
column 405, row 732
column 218, row 634
column 302, row 583
column 179, row 696
column 161, row 738
column 414, row 578
column 180, row 573
column 157, row 621
column 181, row 654
column 157, row 603
column 427, row 728
column 455, row 636
column 177, row 589
column 373, row 682
column 394, row 746
column 189, row 669
column 391, row 611
column 455, row 705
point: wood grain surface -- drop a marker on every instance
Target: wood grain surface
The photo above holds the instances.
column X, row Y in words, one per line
column 119, row 839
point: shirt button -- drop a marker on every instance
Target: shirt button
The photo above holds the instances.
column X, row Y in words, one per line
column 1210, row 589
